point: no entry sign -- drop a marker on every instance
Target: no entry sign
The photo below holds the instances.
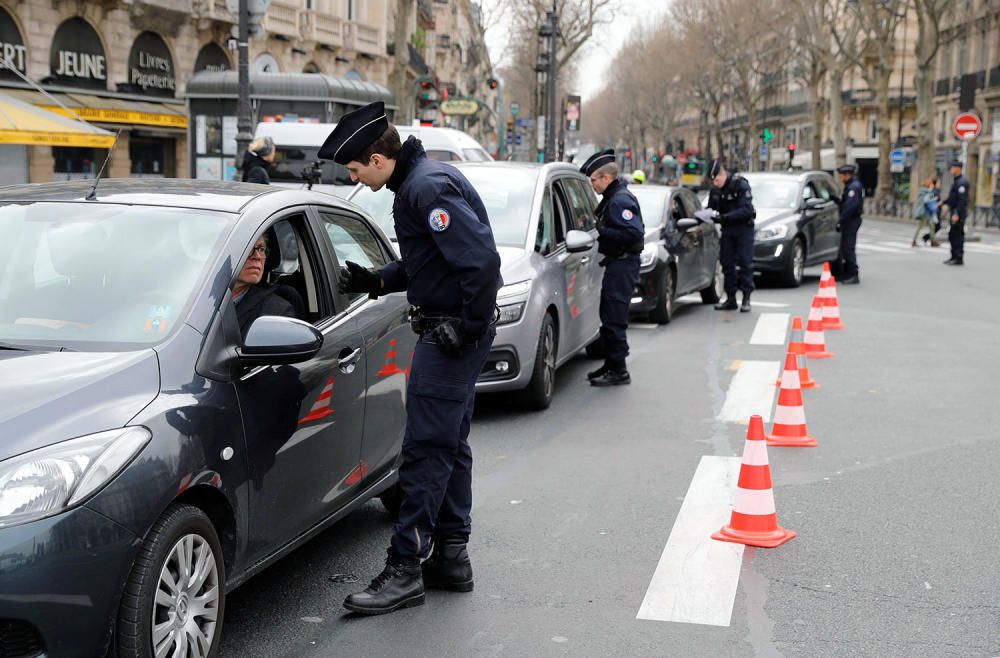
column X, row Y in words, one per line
column 967, row 126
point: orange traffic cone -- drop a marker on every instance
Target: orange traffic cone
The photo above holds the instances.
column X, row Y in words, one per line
column 789, row 427
column 754, row 521
column 831, row 308
column 798, row 348
column 390, row 367
column 321, row 408
column 815, row 344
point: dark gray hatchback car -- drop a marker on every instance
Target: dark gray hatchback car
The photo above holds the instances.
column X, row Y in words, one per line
column 151, row 458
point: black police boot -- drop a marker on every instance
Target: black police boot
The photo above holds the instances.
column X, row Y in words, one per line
column 851, row 281
column 400, row 585
column 449, row 567
column 745, row 304
column 594, row 374
column 616, row 375
column 954, row 261
column 728, row 304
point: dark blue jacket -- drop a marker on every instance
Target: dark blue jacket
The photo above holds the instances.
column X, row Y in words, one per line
column 449, row 260
column 619, row 222
column 958, row 196
column 733, row 201
column 851, row 202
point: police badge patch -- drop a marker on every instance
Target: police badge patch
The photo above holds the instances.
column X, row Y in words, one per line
column 850, row 193
column 627, row 215
column 961, row 189
column 439, row 220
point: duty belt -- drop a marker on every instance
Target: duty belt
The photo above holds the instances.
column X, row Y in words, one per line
column 422, row 322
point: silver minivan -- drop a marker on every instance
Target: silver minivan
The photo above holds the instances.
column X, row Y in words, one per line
column 545, row 229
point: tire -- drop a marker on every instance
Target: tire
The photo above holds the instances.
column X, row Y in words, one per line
column 391, row 499
column 182, row 534
column 538, row 394
column 713, row 293
column 792, row 276
column 665, row 286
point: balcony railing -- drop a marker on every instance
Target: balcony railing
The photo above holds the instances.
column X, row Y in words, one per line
column 363, row 38
column 417, row 62
column 321, row 28
column 282, row 18
column 213, row 10
column 175, row 6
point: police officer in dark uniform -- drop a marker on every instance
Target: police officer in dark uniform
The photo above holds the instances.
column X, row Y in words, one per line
column 620, row 241
column 732, row 201
column 958, row 206
column 450, row 270
column 850, row 221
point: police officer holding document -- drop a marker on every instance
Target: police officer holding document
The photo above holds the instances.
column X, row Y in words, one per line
column 450, row 270
column 730, row 203
column 620, row 241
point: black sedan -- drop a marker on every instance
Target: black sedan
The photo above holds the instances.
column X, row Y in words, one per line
column 796, row 223
column 152, row 459
column 681, row 254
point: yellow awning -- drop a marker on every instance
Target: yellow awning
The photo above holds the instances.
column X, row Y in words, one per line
column 23, row 123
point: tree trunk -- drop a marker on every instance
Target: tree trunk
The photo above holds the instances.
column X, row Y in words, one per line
column 401, row 61
column 816, row 103
column 837, row 115
column 884, row 191
column 717, row 119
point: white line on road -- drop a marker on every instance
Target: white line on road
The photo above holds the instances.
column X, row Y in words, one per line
column 751, row 392
column 770, row 329
column 770, row 304
column 696, row 578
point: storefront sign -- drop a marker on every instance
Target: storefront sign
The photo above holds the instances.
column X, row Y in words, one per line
column 77, row 56
column 150, row 67
column 459, row 106
column 12, row 50
column 211, row 58
column 108, row 115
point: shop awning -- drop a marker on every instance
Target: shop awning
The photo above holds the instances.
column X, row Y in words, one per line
column 23, row 123
column 107, row 109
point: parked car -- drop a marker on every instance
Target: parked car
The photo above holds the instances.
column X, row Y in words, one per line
column 796, row 223
column 544, row 225
column 297, row 146
column 681, row 254
column 152, row 460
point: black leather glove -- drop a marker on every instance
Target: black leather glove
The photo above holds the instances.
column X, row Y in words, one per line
column 354, row 278
column 451, row 337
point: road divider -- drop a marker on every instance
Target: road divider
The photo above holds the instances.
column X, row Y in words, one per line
column 750, row 391
column 770, row 329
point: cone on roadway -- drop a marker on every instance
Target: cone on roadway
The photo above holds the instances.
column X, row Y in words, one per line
column 798, row 348
column 789, row 427
column 754, row 521
column 815, row 343
column 831, row 307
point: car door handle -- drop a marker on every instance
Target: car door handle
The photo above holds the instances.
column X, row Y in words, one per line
column 585, row 260
column 347, row 361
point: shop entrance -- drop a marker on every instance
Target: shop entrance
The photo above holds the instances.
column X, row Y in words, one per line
column 152, row 157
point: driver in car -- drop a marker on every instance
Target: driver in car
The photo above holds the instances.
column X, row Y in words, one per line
column 251, row 299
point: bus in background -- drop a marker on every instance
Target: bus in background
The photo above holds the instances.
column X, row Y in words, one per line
column 692, row 174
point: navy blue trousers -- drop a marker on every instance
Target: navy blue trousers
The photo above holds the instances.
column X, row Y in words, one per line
column 848, row 244
column 736, row 256
column 620, row 279
column 435, row 476
column 956, row 237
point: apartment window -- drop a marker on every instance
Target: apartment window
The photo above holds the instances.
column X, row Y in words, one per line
column 944, row 60
column 963, row 53
column 350, row 10
column 309, row 5
column 872, row 129
column 983, row 47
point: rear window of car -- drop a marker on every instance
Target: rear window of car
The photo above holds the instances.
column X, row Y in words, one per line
column 651, row 204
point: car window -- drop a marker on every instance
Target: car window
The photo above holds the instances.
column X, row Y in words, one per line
column 562, row 214
column 580, row 211
column 352, row 240
column 476, row 155
column 825, row 191
column 544, row 234
column 589, row 202
column 443, row 156
column 296, row 164
column 652, row 203
column 808, row 192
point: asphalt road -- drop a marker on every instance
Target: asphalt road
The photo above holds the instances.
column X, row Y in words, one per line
column 896, row 509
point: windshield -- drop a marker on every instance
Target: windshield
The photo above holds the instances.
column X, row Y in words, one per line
column 651, row 204
column 83, row 274
column 775, row 193
column 298, row 163
column 507, row 195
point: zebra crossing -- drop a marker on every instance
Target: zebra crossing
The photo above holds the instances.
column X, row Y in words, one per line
column 883, row 241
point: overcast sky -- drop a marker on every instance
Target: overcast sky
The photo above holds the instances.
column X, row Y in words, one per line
column 605, row 42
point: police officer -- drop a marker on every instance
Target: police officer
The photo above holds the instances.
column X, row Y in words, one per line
column 958, row 206
column 850, row 221
column 620, row 240
column 450, row 270
column 732, row 201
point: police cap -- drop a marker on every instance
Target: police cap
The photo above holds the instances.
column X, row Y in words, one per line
column 714, row 168
column 846, row 169
column 596, row 161
column 355, row 132
column 956, row 163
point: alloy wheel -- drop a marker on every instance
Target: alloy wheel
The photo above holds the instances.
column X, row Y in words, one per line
column 186, row 605
column 798, row 261
column 549, row 356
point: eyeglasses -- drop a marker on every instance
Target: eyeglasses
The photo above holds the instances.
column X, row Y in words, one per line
column 260, row 249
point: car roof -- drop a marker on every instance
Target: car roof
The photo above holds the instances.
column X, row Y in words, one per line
column 781, row 175
column 314, row 134
column 170, row 192
column 562, row 167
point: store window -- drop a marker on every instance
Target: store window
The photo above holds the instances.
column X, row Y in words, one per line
column 152, row 157
column 215, row 147
column 76, row 163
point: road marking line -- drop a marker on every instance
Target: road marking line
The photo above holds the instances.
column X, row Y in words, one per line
column 770, row 304
column 884, row 250
column 696, row 578
column 770, row 329
column 751, row 392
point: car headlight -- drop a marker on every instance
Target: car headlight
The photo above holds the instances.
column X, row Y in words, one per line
column 510, row 313
column 514, row 289
column 771, row 233
column 648, row 255
column 50, row 480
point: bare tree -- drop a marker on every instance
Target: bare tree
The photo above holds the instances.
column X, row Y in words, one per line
column 398, row 82
column 929, row 40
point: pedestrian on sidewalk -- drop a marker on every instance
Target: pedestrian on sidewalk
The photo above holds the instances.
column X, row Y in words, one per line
column 925, row 212
column 958, row 205
column 851, row 203
column 450, row 270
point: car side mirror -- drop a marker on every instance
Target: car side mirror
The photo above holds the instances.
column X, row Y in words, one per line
column 687, row 224
column 814, row 203
column 277, row 340
column 577, row 241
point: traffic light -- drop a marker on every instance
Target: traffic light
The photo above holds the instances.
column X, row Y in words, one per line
column 628, row 153
column 425, row 84
column 791, row 151
column 493, row 83
column 656, row 158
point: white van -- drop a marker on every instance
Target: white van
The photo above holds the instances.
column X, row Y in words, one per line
column 298, row 143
